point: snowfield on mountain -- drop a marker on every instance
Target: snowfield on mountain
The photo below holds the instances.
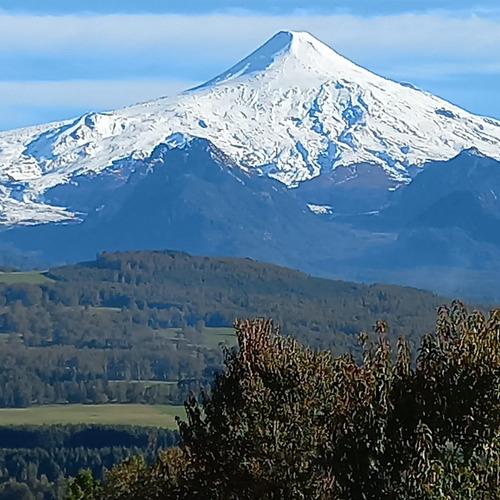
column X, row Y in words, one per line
column 292, row 110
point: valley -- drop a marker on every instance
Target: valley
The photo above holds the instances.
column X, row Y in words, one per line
column 147, row 327
column 97, row 358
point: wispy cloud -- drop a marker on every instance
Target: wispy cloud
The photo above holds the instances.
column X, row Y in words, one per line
column 163, row 48
column 231, row 33
column 30, row 102
column 97, row 93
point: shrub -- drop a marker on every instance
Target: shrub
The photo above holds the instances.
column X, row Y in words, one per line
column 285, row 422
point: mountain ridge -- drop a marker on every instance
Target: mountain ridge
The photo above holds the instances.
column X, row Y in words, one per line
column 293, row 110
column 294, row 156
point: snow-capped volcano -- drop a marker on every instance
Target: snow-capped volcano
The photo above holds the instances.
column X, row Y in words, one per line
column 292, row 110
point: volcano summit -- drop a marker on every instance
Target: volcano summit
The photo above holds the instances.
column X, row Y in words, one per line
column 293, row 110
column 295, row 156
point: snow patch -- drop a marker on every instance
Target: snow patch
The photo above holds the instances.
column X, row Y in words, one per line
column 320, row 209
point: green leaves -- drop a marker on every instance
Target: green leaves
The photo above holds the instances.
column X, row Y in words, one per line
column 283, row 421
column 83, row 487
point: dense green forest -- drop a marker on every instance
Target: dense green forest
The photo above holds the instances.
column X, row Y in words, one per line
column 115, row 329
column 36, row 460
column 146, row 327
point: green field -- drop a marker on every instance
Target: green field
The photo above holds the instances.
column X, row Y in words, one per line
column 211, row 337
column 110, row 414
column 143, row 383
column 34, row 277
column 215, row 336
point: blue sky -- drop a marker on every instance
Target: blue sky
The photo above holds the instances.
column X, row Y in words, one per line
column 58, row 60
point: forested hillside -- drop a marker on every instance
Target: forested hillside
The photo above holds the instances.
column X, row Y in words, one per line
column 145, row 326
column 35, row 460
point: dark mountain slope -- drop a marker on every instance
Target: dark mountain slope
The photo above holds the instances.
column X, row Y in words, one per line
column 194, row 200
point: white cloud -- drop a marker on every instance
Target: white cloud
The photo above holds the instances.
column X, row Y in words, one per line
column 93, row 94
column 431, row 71
column 404, row 46
column 31, row 102
column 437, row 32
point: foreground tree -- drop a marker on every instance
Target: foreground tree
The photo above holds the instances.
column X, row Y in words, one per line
column 286, row 422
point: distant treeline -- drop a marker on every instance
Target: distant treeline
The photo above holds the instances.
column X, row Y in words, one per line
column 90, row 325
column 35, row 460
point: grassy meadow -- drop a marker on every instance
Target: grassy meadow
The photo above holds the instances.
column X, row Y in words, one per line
column 106, row 414
column 210, row 337
column 33, row 277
